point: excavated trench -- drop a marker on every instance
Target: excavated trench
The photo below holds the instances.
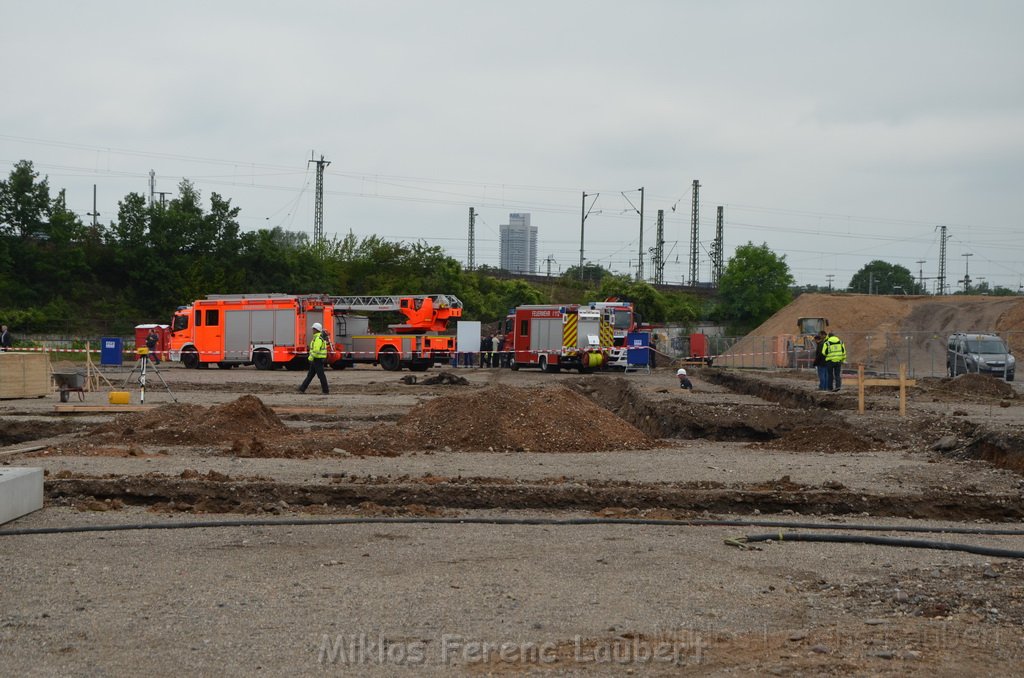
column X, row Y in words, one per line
column 227, row 496
column 681, row 419
column 792, row 397
column 19, row 431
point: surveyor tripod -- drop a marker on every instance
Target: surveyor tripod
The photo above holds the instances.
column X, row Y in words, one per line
column 143, row 366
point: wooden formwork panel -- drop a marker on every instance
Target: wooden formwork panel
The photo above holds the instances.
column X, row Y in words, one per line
column 24, row 375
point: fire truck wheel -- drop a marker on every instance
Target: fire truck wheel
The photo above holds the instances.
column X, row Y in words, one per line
column 190, row 359
column 545, row 366
column 389, row 359
column 262, row 360
column 515, row 366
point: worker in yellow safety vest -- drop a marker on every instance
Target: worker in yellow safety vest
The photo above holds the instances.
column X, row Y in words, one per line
column 835, row 354
column 318, row 345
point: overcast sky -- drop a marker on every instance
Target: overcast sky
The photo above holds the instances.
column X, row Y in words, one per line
column 835, row 132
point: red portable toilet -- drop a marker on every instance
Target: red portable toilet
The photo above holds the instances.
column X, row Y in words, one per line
column 162, row 345
column 698, row 345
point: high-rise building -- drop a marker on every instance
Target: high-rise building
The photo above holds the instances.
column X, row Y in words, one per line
column 518, row 244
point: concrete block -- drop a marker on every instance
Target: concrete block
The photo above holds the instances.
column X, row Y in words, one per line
column 21, row 492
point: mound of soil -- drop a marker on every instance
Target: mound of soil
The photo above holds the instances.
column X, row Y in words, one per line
column 554, row 419
column 179, row 424
column 497, row 419
column 977, row 385
column 818, row 439
column 875, row 327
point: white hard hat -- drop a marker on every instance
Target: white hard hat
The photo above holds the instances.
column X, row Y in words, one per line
column 681, row 372
column 317, row 326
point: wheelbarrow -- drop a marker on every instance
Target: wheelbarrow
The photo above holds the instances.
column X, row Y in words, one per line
column 68, row 382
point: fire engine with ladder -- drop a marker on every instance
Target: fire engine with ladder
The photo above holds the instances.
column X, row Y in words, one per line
column 273, row 330
column 556, row 337
column 416, row 343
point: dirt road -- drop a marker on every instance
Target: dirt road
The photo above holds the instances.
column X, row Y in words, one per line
column 653, row 590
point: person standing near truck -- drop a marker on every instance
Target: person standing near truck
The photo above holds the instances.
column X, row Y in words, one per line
column 835, row 355
column 5, row 339
column 318, row 345
column 152, row 341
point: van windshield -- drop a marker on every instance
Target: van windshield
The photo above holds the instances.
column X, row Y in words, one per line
column 986, row 346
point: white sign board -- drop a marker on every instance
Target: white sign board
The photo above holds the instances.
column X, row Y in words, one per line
column 467, row 336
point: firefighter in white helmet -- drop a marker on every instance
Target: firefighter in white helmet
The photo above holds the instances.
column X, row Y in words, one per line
column 684, row 381
column 318, row 345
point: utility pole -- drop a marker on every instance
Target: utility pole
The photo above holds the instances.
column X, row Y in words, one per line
column 658, row 251
column 94, row 213
column 163, row 197
column 318, row 210
column 718, row 248
column 942, row 260
column 967, row 272
column 152, row 186
column 640, row 263
column 695, row 233
column 920, row 275
column 550, row 260
column 471, row 256
column 584, row 213
column 829, row 278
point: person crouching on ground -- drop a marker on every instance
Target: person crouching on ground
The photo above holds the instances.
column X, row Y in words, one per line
column 317, row 357
column 684, row 381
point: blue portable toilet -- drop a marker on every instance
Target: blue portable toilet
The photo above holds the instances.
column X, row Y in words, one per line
column 110, row 351
column 637, row 345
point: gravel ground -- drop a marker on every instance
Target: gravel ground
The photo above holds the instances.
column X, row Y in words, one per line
column 420, row 599
column 264, row 599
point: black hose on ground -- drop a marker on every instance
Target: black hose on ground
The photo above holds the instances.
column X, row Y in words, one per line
column 880, row 541
column 499, row 520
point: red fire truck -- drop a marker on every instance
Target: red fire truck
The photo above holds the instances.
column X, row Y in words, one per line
column 265, row 330
column 416, row 344
column 273, row 330
column 553, row 337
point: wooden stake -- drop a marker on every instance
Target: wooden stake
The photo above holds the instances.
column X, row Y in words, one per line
column 860, row 388
column 903, row 390
column 902, row 382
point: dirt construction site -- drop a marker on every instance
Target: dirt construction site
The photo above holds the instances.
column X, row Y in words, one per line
column 497, row 522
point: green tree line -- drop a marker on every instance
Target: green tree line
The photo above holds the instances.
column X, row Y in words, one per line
column 58, row 274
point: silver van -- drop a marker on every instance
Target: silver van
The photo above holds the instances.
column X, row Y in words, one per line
column 982, row 353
